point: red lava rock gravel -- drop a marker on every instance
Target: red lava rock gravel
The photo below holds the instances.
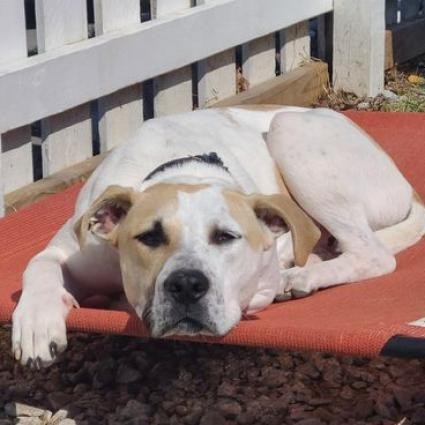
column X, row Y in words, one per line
column 121, row 380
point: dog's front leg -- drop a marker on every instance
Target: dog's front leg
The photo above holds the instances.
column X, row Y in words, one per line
column 39, row 331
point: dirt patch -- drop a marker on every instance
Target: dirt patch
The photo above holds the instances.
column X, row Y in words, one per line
column 404, row 92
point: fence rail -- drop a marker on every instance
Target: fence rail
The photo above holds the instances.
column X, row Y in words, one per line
column 95, row 77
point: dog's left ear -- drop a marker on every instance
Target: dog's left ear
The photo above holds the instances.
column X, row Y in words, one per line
column 279, row 212
column 104, row 215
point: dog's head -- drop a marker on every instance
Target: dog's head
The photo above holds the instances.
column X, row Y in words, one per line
column 192, row 256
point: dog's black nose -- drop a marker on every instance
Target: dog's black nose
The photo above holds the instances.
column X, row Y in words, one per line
column 186, row 286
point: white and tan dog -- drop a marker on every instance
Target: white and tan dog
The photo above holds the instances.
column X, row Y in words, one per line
column 190, row 220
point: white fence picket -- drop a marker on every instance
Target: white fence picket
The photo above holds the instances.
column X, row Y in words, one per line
column 172, row 91
column 259, row 60
column 17, row 166
column 410, row 9
column 15, row 146
column 120, row 113
column 112, row 15
column 295, row 46
column 358, row 59
column 66, row 137
column 216, row 75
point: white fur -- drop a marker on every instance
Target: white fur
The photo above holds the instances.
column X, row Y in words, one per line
column 333, row 171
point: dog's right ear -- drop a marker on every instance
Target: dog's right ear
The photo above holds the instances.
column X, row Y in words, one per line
column 105, row 214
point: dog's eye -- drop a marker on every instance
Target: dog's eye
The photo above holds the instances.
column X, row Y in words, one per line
column 220, row 237
column 154, row 237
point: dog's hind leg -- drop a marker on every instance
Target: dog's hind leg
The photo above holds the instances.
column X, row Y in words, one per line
column 339, row 177
column 363, row 256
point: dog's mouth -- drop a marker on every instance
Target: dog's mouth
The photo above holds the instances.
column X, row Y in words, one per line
column 186, row 326
column 189, row 325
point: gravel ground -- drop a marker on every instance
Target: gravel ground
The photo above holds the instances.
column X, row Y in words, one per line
column 130, row 381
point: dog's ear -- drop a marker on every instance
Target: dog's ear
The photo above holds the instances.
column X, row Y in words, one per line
column 104, row 215
column 280, row 212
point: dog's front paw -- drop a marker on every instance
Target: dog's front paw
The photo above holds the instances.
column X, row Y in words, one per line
column 296, row 282
column 39, row 330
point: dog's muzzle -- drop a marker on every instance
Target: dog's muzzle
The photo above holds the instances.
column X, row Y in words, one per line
column 185, row 290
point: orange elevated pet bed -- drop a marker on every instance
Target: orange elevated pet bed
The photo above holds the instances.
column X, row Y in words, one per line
column 367, row 319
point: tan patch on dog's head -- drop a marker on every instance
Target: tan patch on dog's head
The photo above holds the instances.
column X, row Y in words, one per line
column 278, row 213
column 144, row 228
column 242, row 212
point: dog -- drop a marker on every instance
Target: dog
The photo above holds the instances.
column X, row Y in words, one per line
column 207, row 216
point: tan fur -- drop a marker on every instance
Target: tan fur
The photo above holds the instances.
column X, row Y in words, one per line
column 118, row 194
column 140, row 264
column 418, row 198
column 242, row 212
column 305, row 234
column 280, row 182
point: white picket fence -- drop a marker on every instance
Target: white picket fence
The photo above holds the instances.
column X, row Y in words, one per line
column 79, row 89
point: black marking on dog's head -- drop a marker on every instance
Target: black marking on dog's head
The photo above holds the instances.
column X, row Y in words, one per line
column 208, row 158
column 154, row 237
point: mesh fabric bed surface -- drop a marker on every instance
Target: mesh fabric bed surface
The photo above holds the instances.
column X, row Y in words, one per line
column 356, row 319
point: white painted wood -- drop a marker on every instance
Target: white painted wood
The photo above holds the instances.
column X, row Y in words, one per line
column 66, row 137
column 295, row 46
column 173, row 92
column 259, row 60
column 216, row 75
column 120, row 113
column 112, row 15
column 391, row 10
column 16, row 152
column 359, row 46
column 161, row 8
column 13, row 43
column 216, row 78
column 16, row 167
column 60, row 22
column 61, row 135
column 125, row 57
column 410, row 9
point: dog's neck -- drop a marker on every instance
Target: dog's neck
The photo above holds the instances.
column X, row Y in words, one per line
column 199, row 169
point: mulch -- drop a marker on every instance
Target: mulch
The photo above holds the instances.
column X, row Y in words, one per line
column 132, row 381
